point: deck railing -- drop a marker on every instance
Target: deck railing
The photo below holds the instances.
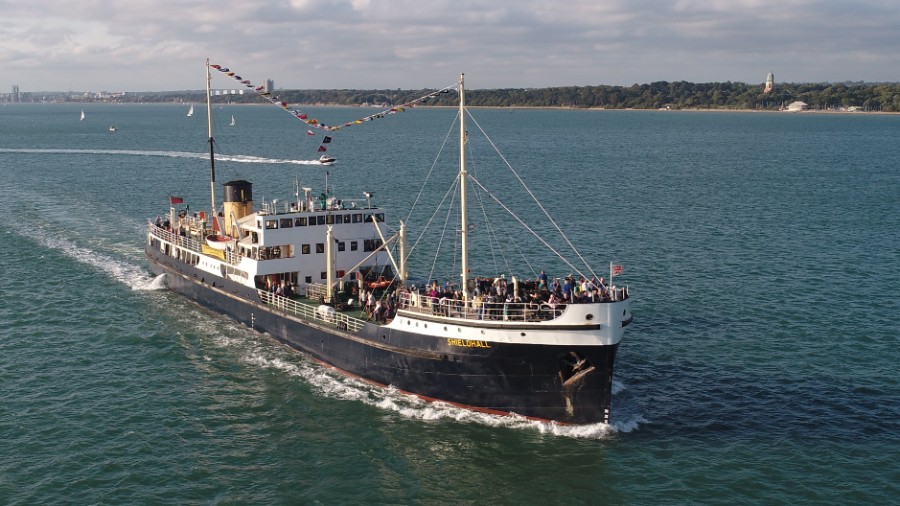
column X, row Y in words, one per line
column 309, row 312
column 190, row 243
column 480, row 310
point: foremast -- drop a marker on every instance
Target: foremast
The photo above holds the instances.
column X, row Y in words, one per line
column 463, row 211
column 212, row 158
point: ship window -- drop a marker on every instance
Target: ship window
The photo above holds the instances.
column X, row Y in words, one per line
column 320, row 247
column 308, row 279
column 271, row 224
column 371, row 244
column 357, row 218
column 329, row 220
column 320, row 219
column 353, row 246
column 287, row 223
column 368, row 218
column 379, row 217
column 341, row 245
column 312, row 221
column 300, row 222
column 304, row 249
column 339, row 218
column 324, row 275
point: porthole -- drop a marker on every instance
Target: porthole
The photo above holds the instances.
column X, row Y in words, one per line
column 482, row 332
column 523, row 334
column 589, row 317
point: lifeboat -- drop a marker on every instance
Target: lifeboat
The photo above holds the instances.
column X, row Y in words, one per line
column 219, row 242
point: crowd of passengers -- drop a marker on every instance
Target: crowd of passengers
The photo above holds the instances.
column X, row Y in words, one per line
column 499, row 299
column 493, row 298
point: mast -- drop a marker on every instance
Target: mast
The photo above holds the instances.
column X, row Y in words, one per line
column 463, row 211
column 403, row 274
column 212, row 159
column 329, row 265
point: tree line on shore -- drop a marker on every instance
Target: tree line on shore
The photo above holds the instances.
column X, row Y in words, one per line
column 882, row 97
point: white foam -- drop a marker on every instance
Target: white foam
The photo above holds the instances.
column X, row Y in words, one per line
column 168, row 154
column 332, row 384
column 132, row 275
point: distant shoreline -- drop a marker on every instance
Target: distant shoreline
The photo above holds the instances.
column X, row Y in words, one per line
column 494, row 107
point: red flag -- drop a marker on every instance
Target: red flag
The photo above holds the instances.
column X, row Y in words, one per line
column 322, row 148
column 175, row 200
column 617, row 269
column 310, row 132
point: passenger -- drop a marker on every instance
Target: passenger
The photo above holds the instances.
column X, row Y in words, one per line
column 542, row 280
column 553, row 302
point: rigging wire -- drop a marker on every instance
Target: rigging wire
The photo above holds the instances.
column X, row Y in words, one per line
column 534, row 198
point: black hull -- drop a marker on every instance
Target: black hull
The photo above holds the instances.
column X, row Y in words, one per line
column 534, row 381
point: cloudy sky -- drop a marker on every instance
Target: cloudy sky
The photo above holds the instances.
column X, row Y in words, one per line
column 149, row 45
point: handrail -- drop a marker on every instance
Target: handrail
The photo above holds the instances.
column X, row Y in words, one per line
column 189, row 243
column 308, row 312
column 480, row 310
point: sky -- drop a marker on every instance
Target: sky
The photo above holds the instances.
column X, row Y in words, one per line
column 161, row 45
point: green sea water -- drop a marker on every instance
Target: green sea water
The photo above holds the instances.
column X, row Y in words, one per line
column 761, row 249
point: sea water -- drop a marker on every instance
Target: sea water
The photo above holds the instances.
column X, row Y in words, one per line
column 761, row 250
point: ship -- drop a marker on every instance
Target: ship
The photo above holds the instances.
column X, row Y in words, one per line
column 311, row 272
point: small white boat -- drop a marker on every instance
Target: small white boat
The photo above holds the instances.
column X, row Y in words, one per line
column 82, row 115
column 112, row 128
column 327, row 160
column 219, row 242
column 191, row 111
column 232, row 121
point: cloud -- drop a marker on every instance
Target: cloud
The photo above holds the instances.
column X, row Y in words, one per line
column 160, row 45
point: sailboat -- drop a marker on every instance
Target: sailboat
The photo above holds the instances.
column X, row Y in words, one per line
column 191, row 111
column 232, row 121
column 82, row 115
column 332, row 281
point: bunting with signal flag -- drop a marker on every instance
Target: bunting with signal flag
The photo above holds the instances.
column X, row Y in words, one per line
column 322, row 148
column 314, row 123
column 175, row 200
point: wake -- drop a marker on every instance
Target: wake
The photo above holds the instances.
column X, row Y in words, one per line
column 129, row 274
column 335, row 385
column 166, row 154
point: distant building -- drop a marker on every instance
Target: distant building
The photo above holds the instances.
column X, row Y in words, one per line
column 270, row 86
column 14, row 96
column 770, row 83
column 797, row 106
